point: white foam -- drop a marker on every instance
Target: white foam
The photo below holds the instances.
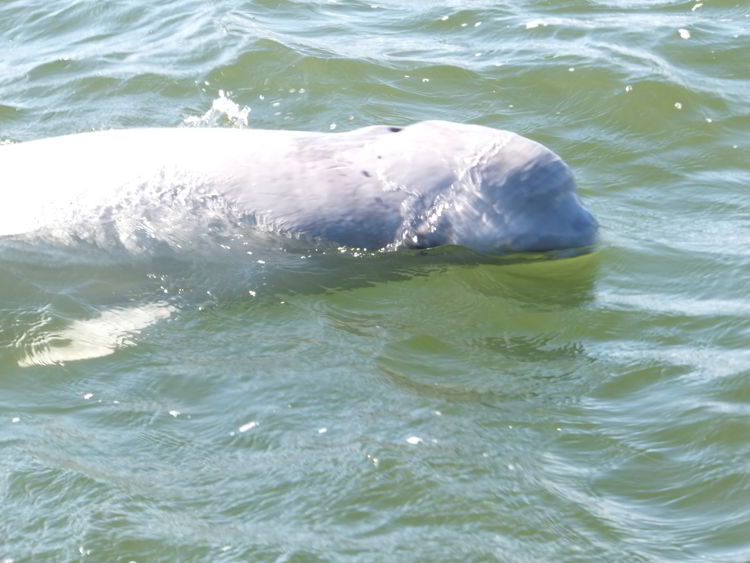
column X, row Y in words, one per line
column 97, row 337
column 536, row 23
column 222, row 108
column 248, row 426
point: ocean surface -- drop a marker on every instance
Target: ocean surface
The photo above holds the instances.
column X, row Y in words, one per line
column 210, row 404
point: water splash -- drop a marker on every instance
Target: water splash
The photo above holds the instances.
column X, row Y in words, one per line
column 224, row 111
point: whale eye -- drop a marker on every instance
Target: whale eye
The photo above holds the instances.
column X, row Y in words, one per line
column 395, row 129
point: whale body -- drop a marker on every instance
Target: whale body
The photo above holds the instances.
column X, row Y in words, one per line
column 428, row 184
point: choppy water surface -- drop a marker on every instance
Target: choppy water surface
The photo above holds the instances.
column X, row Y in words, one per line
column 213, row 405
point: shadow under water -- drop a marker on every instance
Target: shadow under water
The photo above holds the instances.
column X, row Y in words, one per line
column 77, row 302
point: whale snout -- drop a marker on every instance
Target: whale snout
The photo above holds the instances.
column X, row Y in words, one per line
column 523, row 200
column 538, row 203
column 566, row 225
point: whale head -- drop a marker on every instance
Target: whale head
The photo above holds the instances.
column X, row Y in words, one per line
column 515, row 196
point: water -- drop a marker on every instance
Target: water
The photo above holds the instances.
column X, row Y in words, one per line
column 210, row 405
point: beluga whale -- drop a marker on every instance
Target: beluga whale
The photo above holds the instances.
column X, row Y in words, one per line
column 424, row 185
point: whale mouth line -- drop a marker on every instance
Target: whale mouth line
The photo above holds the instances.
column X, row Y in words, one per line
column 463, row 255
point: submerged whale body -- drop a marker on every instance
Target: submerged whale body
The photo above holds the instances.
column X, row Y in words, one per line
column 429, row 184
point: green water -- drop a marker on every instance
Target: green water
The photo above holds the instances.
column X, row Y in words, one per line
column 383, row 408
